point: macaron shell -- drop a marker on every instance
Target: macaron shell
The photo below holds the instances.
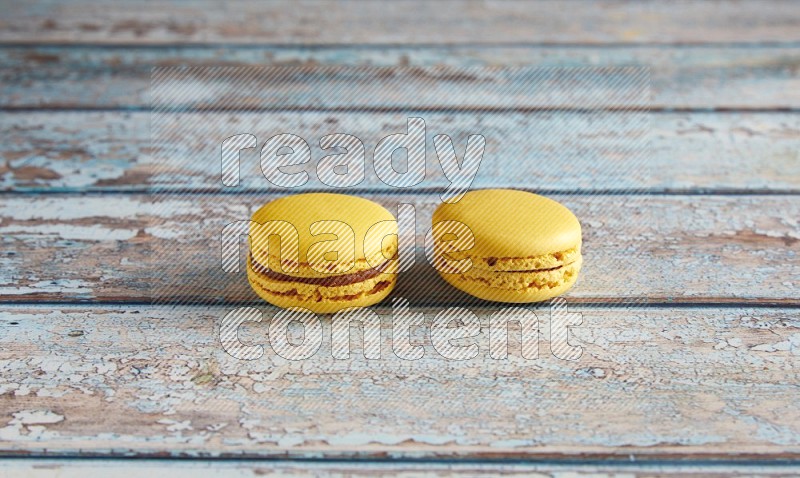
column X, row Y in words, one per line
column 512, row 224
column 303, row 210
column 527, row 248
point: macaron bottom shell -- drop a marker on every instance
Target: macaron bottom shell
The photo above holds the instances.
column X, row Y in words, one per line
column 321, row 299
column 516, row 286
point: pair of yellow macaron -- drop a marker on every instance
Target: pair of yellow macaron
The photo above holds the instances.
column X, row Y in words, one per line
column 326, row 252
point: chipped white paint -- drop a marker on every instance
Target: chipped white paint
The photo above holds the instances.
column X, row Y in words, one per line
column 68, row 232
column 67, row 286
column 791, row 344
column 49, row 208
column 36, row 417
column 29, row 425
column 165, row 232
column 174, row 426
column 55, row 208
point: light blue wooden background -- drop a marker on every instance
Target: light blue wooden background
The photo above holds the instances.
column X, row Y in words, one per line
column 701, row 377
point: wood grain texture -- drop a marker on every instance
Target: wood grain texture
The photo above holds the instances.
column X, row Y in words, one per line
column 652, row 248
column 734, row 77
column 402, row 87
column 110, row 468
column 111, row 151
column 156, row 382
column 404, row 22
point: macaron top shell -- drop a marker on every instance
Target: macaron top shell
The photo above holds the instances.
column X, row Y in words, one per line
column 510, row 224
column 305, row 211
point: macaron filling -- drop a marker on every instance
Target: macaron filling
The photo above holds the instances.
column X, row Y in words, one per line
column 306, row 295
column 294, row 292
column 542, row 262
column 523, row 280
column 328, row 281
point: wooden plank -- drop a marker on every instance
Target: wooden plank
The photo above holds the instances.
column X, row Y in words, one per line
column 416, row 22
column 687, row 77
column 652, row 383
column 403, row 87
column 115, row 468
column 650, row 248
column 110, row 151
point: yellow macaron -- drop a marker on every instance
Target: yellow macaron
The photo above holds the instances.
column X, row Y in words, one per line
column 324, row 252
column 527, row 248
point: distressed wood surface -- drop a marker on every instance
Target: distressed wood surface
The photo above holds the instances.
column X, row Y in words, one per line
column 403, row 87
column 109, row 468
column 156, row 381
column 606, row 22
column 701, row 377
column 703, row 248
column 733, row 77
column 102, row 151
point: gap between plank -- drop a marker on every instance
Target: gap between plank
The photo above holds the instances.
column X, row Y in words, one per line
column 631, row 460
column 420, row 46
column 412, row 109
column 609, row 303
column 161, row 192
